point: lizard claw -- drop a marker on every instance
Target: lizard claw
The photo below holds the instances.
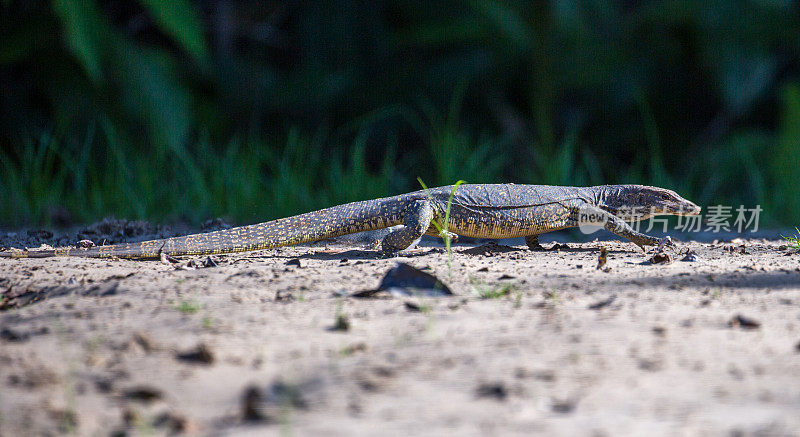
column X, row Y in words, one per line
column 453, row 237
column 666, row 241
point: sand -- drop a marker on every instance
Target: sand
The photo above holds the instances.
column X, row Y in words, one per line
column 271, row 342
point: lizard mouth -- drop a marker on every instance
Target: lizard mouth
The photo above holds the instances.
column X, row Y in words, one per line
column 690, row 209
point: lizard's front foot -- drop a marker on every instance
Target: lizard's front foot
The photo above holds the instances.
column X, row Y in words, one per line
column 645, row 240
column 659, row 243
column 666, row 241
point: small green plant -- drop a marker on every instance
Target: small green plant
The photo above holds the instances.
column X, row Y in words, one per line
column 443, row 226
column 492, row 291
column 794, row 241
column 517, row 298
column 552, row 296
column 341, row 322
column 188, row 307
column 207, row 322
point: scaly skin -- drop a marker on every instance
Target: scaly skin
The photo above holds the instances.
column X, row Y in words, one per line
column 484, row 211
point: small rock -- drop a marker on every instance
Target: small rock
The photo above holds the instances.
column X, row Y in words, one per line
column 9, row 334
column 144, row 341
column 563, row 407
column 85, row 244
column 285, row 394
column 200, row 354
column 661, row 258
column 603, row 303
column 406, row 280
column 143, row 393
column 741, row 249
column 744, row 322
column 103, row 384
column 690, row 256
column 251, row 404
column 545, row 375
column 494, row 390
column 210, row 262
column 650, row 365
column 176, row 423
column 411, row 306
column 283, row 296
column 295, row 262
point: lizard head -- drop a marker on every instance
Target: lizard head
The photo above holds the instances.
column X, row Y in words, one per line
column 640, row 202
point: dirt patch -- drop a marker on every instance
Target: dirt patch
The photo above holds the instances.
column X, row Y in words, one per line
column 529, row 342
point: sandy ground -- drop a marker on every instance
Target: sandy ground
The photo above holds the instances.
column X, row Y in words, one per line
column 531, row 343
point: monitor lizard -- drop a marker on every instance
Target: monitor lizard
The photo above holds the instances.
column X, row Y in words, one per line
column 480, row 210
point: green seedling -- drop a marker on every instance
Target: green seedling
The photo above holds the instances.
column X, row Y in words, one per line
column 492, row 291
column 341, row 322
column 188, row 307
column 442, row 225
column 794, row 241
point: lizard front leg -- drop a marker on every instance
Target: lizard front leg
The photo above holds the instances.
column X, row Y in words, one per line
column 416, row 221
column 617, row 226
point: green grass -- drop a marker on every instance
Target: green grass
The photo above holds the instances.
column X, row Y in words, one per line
column 794, row 241
column 552, row 297
column 494, row 291
column 251, row 179
column 340, row 320
column 188, row 307
column 442, row 222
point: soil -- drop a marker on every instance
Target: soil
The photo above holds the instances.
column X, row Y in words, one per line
column 276, row 342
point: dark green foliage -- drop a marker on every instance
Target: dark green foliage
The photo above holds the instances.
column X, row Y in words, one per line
column 253, row 110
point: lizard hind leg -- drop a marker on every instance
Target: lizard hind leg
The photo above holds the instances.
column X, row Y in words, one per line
column 416, row 221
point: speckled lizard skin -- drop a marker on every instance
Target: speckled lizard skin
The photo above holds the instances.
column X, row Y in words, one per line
column 485, row 211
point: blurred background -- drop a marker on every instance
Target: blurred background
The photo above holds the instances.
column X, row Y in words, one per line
column 251, row 110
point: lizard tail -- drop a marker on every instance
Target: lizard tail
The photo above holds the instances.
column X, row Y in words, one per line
column 312, row 226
